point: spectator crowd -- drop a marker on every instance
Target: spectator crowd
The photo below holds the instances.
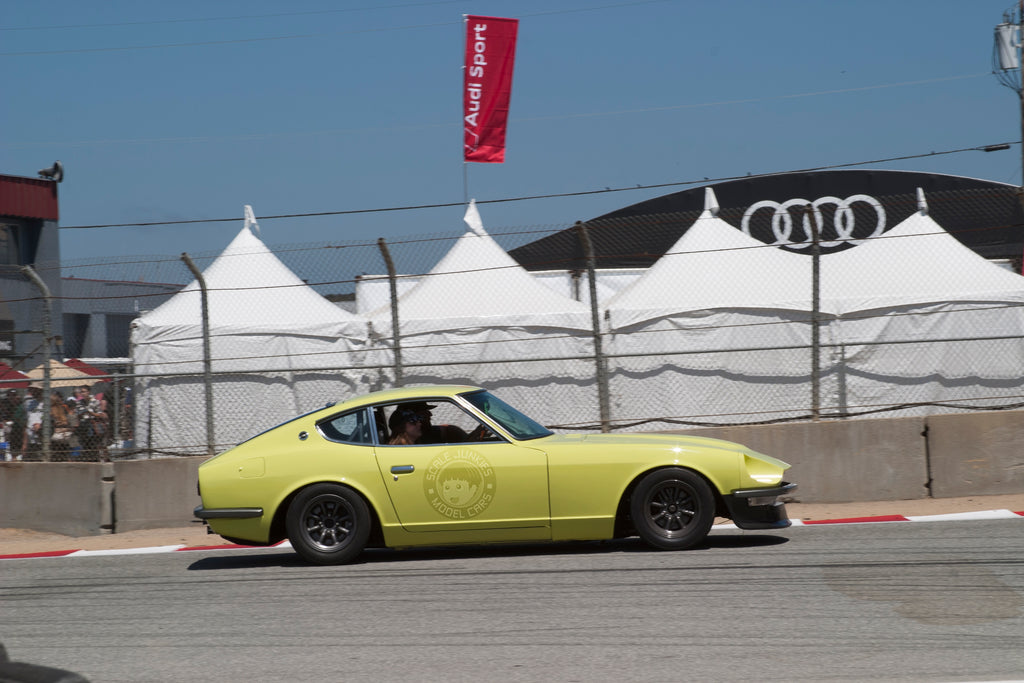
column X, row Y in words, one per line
column 79, row 429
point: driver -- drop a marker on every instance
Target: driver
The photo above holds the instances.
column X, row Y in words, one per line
column 434, row 433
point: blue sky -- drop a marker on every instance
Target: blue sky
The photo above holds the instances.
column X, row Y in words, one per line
column 189, row 110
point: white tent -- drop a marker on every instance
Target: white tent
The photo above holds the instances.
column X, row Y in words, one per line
column 374, row 291
column 478, row 306
column 919, row 317
column 277, row 348
column 725, row 326
column 916, row 262
column 718, row 325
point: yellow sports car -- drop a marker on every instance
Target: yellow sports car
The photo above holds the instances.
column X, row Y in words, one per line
column 442, row 465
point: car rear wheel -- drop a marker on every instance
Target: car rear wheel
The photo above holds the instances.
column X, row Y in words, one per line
column 328, row 524
column 672, row 508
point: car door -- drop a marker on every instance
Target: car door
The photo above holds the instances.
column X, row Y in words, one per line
column 475, row 482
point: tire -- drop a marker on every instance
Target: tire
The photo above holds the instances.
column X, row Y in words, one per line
column 328, row 524
column 672, row 509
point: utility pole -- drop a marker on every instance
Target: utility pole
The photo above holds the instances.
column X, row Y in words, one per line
column 1020, row 90
column 1006, row 64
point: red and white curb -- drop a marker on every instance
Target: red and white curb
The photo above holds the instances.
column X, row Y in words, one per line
column 139, row 551
column 951, row 517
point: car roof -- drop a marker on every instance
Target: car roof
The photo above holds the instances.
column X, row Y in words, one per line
column 405, row 394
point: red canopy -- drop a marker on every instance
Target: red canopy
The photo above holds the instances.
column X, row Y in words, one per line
column 82, row 366
column 8, row 373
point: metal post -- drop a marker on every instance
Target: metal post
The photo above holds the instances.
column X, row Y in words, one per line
column 207, row 363
column 47, row 315
column 392, row 281
column 1020, row 96
column 1020, row 84
column 1008, row 68
column 600, row 360
column 115, row 418
column 815, row 312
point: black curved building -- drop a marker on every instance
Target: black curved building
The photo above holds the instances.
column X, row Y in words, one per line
column 847, row 206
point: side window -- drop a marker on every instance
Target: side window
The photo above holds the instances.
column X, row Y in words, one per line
column 353, row 427
column 438, row 421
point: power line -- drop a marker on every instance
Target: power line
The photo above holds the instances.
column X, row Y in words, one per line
column 275, row 15
column 517, row 119
column 234, row 41
column 279, row 15
column 582, row 193
column 754, row 100
column 300, row 36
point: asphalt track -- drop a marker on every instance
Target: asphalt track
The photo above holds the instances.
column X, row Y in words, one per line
column 942, row 601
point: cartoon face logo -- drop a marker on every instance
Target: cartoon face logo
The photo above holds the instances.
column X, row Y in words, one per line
column 457, row 492
column 460, row 483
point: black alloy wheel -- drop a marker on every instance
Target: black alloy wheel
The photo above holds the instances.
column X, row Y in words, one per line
column 672, row 508
column 328, row 524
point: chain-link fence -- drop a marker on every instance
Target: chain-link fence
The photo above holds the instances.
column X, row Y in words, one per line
column 719, row 329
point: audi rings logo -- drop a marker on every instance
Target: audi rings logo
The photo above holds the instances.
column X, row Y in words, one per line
column 843, row 220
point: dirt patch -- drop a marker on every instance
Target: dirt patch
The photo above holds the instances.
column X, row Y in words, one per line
column 22, row 541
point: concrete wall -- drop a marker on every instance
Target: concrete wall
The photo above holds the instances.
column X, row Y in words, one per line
column 73, row 498
column 153, row 494
column 841, row 462
column 973, row 454
column 91, row 498
column 856, row 460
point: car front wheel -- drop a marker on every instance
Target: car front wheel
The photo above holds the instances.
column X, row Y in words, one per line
column 328, row 524
column 672, row 508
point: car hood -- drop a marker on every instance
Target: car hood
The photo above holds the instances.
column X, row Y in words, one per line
column 640, row 439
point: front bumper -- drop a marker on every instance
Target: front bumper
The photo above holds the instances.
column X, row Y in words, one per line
column 759, row 508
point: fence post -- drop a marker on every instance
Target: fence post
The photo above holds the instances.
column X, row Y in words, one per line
column 392, row 281
column 815, row 312
column 115, row 418
column 47, row 338
column 600, row 360
column 207, row 363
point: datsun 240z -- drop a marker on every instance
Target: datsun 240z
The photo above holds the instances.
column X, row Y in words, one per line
column 444, row 465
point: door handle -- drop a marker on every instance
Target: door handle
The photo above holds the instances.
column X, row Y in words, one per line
column 402, row 469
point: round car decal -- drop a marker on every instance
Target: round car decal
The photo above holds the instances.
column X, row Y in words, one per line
column 460, row 483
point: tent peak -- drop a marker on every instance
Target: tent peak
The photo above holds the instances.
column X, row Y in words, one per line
column 922, row 204
column 710, row 201
column 473, row 220
column 250, row 221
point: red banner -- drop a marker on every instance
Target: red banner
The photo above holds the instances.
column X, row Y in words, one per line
column 487, row 87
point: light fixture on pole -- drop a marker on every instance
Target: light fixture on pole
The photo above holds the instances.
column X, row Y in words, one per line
column 1008, row 45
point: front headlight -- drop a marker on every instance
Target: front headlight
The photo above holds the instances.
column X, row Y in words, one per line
column 766, row 472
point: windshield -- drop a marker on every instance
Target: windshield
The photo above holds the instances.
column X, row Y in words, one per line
column 517, row 424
